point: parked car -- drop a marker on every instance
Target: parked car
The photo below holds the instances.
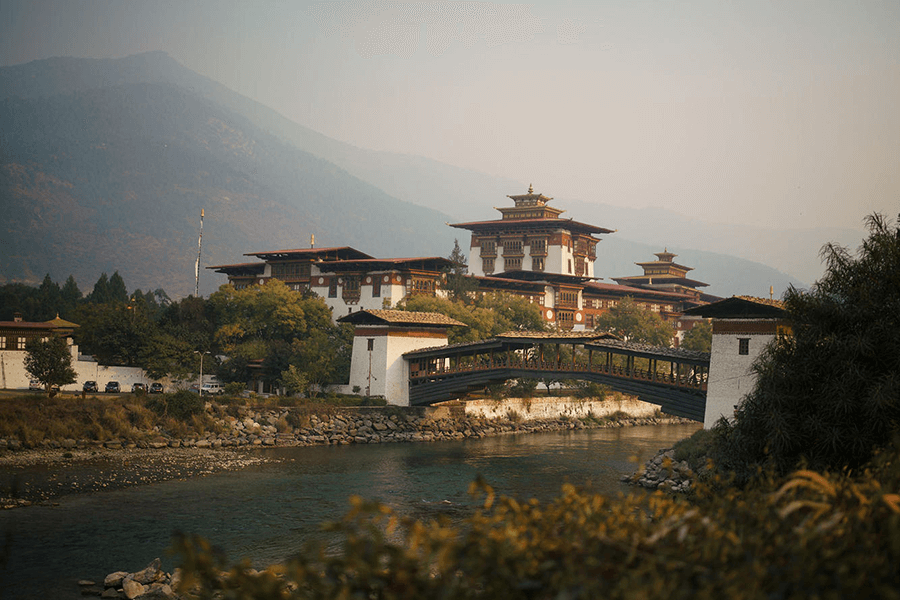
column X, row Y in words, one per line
column 213, row 389
column 90, row 386
column 35, row 385
column 156, row 388
column 139, row 388
column 112, row 387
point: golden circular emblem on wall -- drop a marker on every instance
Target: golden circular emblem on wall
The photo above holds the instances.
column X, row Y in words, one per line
column 397, row 278
column 321, row 280
column 340, row 280
column 549, row 314
column 387, row 278
column 578, row 317
column 262, row 281
column 368, row 280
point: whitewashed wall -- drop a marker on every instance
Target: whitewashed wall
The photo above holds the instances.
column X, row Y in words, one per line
column 730, row 377
column 390, row 372
column 13, row 375
column 552, row 408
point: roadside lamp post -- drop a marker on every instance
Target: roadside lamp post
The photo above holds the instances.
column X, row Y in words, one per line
column 200, row 389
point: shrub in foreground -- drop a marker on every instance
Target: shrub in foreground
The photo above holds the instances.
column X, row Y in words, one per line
column 808, row 535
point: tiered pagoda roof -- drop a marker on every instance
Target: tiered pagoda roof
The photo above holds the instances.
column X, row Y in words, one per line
column 530, row 214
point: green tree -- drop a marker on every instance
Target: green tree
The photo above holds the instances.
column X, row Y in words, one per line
column 50, row 299
column 635, row 324
column 281, row 327
column 294, row 380
column 70, row 296
column 117, row 290
column 268, row 312
column 100, row 293
column 50, row 362
column 489, row 315
column 829, row 393
column 114, row 333
column 699, row 338
column 163, row 354
column 458, row 284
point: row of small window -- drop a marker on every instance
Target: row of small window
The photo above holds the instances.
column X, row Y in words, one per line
column 18, row 341
column 298, row 270
column 511, row 264
column 489, row 248
column 351, row 287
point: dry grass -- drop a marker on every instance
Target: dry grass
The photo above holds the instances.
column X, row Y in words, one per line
column 33, row 419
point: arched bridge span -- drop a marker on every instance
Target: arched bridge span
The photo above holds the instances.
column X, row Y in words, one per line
column 672, row 378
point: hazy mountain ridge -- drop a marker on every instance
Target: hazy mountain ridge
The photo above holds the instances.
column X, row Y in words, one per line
column 266, row 190
column 126, row 169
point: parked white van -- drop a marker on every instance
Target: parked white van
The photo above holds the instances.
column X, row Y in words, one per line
column 212, row 389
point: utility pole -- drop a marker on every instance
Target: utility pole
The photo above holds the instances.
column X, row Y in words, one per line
column 197, row 265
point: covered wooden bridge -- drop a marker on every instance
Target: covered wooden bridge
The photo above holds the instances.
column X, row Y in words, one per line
column 674, row 379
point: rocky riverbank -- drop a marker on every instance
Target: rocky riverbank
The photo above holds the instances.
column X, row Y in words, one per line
column 55, row 468
column 662, row 472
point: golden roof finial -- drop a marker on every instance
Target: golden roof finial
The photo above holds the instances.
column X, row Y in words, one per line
column 530, row 189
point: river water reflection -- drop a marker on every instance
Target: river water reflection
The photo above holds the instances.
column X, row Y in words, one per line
column 265, row 512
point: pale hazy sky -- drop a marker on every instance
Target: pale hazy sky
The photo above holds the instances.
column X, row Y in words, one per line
column 781, row 113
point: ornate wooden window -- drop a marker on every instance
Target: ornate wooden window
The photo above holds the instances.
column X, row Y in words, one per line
column 512, row 247
column 2, row 342
column 565, row 319
column 350, row 290
column 487, row 265
column 512, row 264
column 20, row 343
column 421, row 287
column 376, row 286
column 744, row 346
column 488, row 248
column 291, row 270
column 332, row 289
column 537, row 263
column 567, row 299
column 538, row 247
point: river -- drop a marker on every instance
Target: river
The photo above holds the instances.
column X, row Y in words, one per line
column 264, row 512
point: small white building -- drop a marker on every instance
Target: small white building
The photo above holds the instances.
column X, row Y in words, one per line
column 742, row 326
column 14, row 336
column 381, row 338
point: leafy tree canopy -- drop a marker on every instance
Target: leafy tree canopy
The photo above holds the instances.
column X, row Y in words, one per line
column 699, row 338
column 489, row 315
column 635, row 324
column 267, row 312
column 830, row 392
column 50, row 362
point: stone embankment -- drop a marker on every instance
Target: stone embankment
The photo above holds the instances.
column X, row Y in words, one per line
column 662, row 473
column 290, row 427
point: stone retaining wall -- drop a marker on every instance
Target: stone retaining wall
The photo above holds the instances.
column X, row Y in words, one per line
column 372, row 425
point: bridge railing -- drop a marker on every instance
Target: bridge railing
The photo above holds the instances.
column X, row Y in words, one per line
column 693, row 379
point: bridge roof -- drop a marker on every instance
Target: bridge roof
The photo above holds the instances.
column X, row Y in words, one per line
column 511, row 340
column 647, row 351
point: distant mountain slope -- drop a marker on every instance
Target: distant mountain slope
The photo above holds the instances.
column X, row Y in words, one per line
column 114, row 179
column 256, row 174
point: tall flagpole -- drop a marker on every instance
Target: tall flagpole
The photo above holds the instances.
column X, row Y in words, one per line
column 197, row 266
